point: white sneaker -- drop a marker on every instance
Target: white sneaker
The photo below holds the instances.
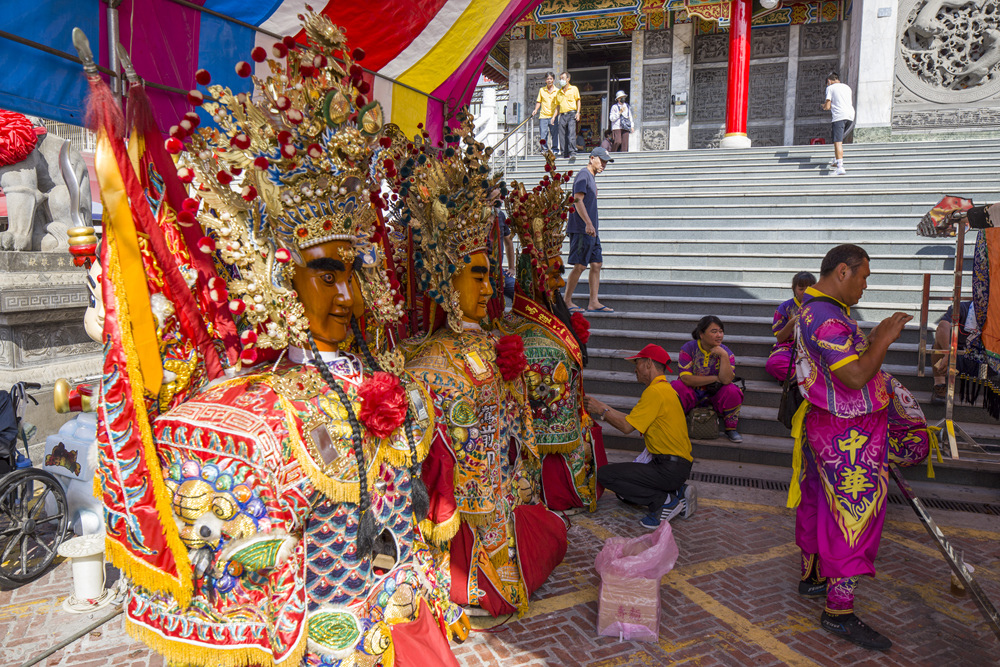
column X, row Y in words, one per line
column 832, row 164
column 840, row 171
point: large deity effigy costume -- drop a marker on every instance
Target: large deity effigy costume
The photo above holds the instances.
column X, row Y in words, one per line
column 288, row 492
column 501, row 550
column 555, row 347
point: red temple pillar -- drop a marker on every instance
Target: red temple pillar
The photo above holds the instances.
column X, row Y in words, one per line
column 737, row 97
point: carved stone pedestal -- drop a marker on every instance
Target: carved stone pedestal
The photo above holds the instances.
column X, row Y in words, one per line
column 42, row 301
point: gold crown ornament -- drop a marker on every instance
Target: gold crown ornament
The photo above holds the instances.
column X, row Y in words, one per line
column 285, row 169
column 446, row 206
column 538, row 217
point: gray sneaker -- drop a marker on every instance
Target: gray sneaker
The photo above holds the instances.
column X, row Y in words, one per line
column 690, row 500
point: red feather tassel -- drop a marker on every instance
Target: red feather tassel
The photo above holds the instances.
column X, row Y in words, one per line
column 510, row 356
column 581, row 327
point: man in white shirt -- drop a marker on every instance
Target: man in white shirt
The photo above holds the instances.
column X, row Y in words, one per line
column 839, row 101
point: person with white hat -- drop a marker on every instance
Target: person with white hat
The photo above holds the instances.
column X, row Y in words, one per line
column 621, row 122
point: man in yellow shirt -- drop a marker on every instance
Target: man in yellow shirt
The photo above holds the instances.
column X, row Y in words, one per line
column 568, row 108
column 548, row 128
column 658, row 483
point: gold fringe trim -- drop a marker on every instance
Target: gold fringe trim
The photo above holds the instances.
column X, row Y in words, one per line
column 500, row 557
column 146, row 575
column 204, row 655
column 397, row 458
column 440, row 534
column 564, row 448
column 477, row 519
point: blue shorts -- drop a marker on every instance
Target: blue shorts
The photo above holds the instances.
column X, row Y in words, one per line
column 585, row 249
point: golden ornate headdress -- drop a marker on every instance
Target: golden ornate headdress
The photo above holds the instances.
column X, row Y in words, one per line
column 447, row 208
column 287, row 169
column 538, row 217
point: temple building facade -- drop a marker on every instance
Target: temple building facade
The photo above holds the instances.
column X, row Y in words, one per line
column 702, row 73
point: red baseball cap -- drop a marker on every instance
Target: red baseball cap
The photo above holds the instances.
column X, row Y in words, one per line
column 656, row 353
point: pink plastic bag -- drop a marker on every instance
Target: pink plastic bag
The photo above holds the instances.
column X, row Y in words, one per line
column 631, row 569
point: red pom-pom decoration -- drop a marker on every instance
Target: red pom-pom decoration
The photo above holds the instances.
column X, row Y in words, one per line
column 244, row 69
column 248, row 357
column 178, row 131
column 191, row 205
column 385, row 142
column 283, row 103
column 307, row 71
column 195, row 97
column 249, row 193
column 236, row 171
column 203, row 77
column 258, row 54
column 288, row 151
column 320, row 61
column 383, row 404
column 315, row 151
column 217, row 290
column 364, row 88
column 261, row 163
column 224, row 177
column 206, row 245
column 236, row 307
column 193, row 118
column 358, row 54
column 241, row 140
column 185, row 218
column 279, row 50
column 185, row 175
column 284, row 137
column 294, row 116
column 288, row 41
column 173, row 145
column 581, row 327
column 248, row 337
column 282, row 255
column 510, row 356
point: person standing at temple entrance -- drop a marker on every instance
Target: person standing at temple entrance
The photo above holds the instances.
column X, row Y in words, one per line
column 568, row 108
column 840, row 102
column 548, row 127
column 621, row 123
column 584, row 243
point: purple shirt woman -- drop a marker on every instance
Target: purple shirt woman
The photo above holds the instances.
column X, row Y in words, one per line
column 707, row 370
column 784, row 327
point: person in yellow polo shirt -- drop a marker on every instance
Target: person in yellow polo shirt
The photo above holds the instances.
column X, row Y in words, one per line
column 548, row 127
column 568, row 108
column 659, row 482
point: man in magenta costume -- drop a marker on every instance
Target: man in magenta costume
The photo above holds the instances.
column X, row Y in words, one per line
column 843, row 441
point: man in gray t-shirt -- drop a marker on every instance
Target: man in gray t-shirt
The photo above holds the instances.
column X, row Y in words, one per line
column 584, row 243
column 839, row 101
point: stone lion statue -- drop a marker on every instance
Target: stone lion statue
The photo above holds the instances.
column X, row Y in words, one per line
column 38, row 198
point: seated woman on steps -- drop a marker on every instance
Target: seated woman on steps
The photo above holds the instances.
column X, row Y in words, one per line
column 707, row 371
column 784, row 327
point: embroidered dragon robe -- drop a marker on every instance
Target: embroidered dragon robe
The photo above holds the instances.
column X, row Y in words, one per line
column 472, row 474
column 264, row 485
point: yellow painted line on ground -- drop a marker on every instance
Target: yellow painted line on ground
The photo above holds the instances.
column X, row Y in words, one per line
column 743, row 560
column 560, row 602
column 745, row 507
column 596, row 529
column 31, row 608
column 949, row 531
column 933, row 595
column 742, row 626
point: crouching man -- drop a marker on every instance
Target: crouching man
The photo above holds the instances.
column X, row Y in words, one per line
column 656, row 479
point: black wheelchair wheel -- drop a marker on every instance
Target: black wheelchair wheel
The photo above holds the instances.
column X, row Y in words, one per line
column 33, row 520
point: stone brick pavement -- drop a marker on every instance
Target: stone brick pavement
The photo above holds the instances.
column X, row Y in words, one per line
column 730, row 601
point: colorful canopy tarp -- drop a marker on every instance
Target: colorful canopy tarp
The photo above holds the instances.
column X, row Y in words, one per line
column 438, row 47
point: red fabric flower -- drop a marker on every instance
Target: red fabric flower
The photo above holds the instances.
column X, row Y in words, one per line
column 510, row 356
column 17, row 137
column 581, row 327
column 383, row 404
